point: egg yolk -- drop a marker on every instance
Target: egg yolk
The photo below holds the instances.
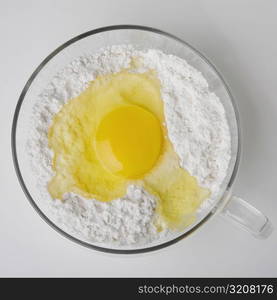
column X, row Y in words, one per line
column 129, row 141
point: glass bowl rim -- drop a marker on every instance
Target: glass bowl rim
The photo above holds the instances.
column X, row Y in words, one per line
column 14, row 127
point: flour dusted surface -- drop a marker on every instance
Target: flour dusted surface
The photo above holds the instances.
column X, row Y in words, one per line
column 123, row 221
column 197, row 128
column 195, row 117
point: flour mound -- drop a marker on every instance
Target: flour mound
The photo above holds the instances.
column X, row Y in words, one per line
column 197, row 128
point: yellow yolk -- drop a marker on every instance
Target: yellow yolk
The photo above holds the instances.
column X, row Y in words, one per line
column 129, row 141
column 114, row 134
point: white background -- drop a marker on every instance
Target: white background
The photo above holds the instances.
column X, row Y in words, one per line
column 240, row 37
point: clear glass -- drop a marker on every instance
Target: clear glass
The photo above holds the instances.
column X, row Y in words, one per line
column 143, row 38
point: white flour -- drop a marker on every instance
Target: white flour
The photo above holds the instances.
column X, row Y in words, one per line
column 197, row 128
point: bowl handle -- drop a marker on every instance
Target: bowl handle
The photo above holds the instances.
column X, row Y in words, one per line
column 247, row 217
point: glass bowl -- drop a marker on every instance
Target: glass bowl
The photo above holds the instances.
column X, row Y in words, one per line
column 89, row 42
